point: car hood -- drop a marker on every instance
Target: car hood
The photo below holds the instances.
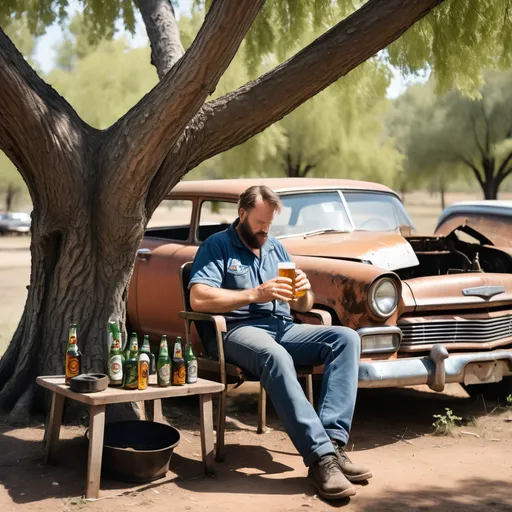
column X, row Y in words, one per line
column 459, row 290
column 386, row 250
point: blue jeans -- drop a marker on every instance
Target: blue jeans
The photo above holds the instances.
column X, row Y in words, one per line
column 269, row 347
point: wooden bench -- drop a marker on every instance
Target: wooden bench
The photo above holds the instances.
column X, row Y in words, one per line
column 97, row 403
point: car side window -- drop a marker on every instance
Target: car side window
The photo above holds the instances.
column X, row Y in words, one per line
column 171, row 220
column 215, row 216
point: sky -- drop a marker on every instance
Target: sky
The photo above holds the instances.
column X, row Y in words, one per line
column 45, row 50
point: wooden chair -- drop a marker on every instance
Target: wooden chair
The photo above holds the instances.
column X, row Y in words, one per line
column 227, row 373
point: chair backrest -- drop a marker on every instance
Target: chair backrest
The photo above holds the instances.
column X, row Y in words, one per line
column 184, row 279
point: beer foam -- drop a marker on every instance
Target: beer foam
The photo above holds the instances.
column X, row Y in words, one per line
column 286, row 265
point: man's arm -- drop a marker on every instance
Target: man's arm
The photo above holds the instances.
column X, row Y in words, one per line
column 303, row 304
column 208, row 299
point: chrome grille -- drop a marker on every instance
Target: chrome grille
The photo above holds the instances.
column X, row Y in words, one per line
column 457, row 331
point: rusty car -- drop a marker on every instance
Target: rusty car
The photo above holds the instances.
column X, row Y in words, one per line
column 429, row 309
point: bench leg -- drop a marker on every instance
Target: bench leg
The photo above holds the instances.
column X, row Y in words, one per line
column 157, row 411
column 52, row 432
column 96, row 431
column 221, row 425
column 262, row 410
column 206, row 415
column 309, row 388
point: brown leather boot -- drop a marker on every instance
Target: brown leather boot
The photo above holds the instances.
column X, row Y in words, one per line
column 353, row 472
column 326, row 474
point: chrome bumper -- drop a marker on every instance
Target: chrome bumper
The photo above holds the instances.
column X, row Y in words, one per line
column 437, row 369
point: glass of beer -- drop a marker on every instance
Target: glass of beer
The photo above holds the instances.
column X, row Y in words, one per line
column 287, row 269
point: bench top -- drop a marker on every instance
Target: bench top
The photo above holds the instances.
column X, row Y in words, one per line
column 56, row 383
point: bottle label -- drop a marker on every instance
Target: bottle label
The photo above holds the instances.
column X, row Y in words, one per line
column 131, row 379
column 192, row 372
column 115, row 368
column 178, row 375
column 164, row 372
column 143, row 374
column 73, row 366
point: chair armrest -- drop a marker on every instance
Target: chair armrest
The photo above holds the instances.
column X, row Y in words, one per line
column 324, row 316
column 218, row 320
column 220, row 329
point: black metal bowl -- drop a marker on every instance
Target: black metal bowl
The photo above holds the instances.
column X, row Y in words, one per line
column 138, row 451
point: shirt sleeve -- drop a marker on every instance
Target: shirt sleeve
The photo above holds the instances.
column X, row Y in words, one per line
column 208, row 266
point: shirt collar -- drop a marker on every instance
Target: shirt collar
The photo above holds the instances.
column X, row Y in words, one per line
column 235, row 238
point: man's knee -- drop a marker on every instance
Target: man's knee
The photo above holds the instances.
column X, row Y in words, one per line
column 346, row 340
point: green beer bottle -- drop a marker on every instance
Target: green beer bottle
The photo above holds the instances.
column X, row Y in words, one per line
column 73, row 356
column 163, row 365
column 115, row 363
column 131, row 365
column 178, row 365
column 146, row 348
column 191, row 363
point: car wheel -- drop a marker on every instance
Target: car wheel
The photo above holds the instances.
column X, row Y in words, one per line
column 495, row 391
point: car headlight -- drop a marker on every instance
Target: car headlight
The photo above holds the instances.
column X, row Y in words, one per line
column 383, row 297
column 375, row 340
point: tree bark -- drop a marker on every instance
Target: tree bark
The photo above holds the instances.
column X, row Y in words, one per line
column 163, row 33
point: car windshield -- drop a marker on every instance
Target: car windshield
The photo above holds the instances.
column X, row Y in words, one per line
column 326, row 211
column 376, row 211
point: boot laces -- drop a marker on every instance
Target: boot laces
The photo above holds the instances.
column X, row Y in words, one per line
column 342, row 453
column 330, row 464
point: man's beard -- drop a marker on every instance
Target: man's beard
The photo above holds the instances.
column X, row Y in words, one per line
column 250, row 237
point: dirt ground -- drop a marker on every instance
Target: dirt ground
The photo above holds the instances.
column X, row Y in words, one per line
column 469, row 470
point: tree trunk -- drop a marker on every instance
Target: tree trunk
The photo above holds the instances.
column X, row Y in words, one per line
column 442, row 193
column 10, row 194
column 490, row 189
column 80, row 274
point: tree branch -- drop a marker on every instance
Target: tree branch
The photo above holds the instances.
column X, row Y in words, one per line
column 504, row 165
column 234, row 118
column 504, row 175
column 475, row 170
column 138, row 143
column 39, row 131
column 163, row 33
column 475, row 133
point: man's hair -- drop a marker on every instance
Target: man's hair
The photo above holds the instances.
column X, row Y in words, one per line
column 248, row 198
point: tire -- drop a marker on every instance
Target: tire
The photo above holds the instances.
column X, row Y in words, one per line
column 498, row 391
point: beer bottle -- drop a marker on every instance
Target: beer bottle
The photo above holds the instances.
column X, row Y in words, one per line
column 115, row 364
column 73, row 356
column 146, row 348
column 131, row 365
column 191, row 363
column 163, row 365
column 178, row 365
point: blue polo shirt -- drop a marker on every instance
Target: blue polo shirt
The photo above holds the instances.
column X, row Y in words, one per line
column 224, row 261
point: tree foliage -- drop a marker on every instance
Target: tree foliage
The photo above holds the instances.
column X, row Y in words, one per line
column 450, row 134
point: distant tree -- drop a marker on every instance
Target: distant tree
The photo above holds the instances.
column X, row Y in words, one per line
column 453, row 133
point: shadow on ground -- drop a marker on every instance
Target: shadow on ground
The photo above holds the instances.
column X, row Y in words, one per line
column 473, row 495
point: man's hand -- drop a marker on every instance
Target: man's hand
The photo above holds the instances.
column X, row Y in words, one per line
column 278, row 288
column 302, row 283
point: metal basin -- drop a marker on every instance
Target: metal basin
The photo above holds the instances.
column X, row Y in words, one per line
column 138, row 451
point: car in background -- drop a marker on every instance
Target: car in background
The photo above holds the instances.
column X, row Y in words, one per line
column 429, row 309
column 490, row 221
column 15, row 223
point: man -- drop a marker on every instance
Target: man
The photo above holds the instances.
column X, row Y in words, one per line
column 235, row 274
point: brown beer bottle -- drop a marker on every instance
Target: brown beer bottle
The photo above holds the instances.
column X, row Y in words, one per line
column 73, row 356
column 178, row 365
